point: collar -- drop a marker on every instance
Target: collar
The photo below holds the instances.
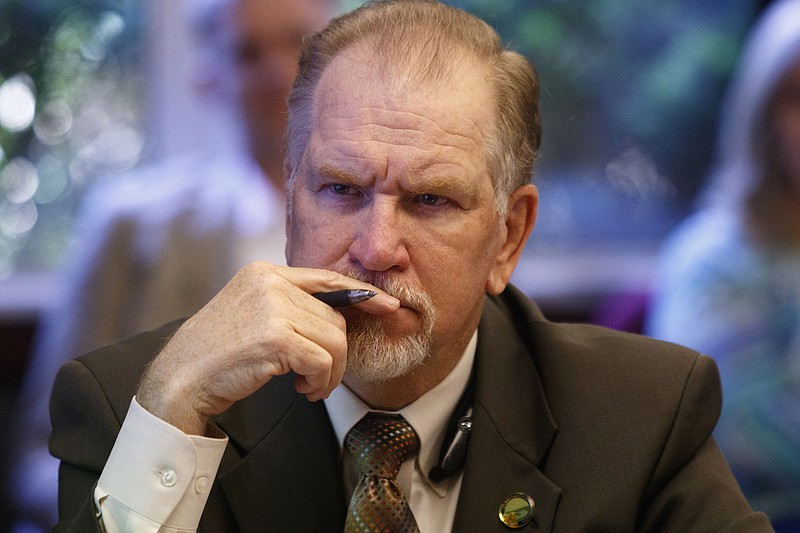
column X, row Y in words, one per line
column 428, row 415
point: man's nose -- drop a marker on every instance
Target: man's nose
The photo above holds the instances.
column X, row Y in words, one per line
column 379, row 240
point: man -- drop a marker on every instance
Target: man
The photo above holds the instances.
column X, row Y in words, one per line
column 412, row 136
column 156, row 244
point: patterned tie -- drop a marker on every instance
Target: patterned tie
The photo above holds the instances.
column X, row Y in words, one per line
column 380, row 443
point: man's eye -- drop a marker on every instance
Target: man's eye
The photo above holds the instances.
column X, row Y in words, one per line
column 339, row 188
column 431, row 199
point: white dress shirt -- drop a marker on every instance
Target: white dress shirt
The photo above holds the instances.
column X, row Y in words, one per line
column 157, row 478
column 433, row 504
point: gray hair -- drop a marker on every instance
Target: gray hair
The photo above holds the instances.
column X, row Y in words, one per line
column 427, row 39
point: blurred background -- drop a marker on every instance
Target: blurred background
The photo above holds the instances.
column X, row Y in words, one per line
column 631, row 89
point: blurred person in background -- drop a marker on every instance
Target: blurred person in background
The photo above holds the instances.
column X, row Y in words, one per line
column 730, row 275
column 158, row 243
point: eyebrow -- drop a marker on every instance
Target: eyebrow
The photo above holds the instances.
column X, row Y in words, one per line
column 339, row 175
column 447, row 187
column 435, row 185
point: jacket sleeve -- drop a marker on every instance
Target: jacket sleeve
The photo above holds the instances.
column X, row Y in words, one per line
column 692, row 488
column 84, row 430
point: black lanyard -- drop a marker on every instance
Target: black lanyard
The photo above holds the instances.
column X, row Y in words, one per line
column 453, row 454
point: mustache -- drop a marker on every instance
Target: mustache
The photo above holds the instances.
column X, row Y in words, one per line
column 409, row 296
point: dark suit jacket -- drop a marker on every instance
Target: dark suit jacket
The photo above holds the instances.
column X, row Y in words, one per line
column 605, row 431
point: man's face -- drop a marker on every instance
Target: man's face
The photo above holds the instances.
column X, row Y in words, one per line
column 394, row 185
column 264, row 40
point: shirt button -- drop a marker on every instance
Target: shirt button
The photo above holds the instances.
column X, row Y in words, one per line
column 169, row 478
column 201, row 485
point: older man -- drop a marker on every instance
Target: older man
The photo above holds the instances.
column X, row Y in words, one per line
column 412, row 137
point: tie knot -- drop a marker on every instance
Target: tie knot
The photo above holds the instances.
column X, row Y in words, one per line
column 380, row 442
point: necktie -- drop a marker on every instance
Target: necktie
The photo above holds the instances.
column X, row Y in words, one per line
column 380, row 443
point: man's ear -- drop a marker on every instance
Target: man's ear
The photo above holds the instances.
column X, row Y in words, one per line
column 522, row 206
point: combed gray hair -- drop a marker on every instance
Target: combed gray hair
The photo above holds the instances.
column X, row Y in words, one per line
column 427, row 39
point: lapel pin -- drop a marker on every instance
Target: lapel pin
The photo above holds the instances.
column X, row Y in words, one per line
column 516, row 511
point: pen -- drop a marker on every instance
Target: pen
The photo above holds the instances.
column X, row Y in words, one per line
column 344, row 297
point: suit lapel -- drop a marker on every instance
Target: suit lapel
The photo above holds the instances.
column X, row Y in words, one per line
column 512, row 432
column 281, row 471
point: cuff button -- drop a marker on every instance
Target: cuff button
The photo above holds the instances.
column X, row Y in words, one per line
column 201, row 485
column 169, row 478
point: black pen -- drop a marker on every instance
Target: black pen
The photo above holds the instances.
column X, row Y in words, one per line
column 344, row 297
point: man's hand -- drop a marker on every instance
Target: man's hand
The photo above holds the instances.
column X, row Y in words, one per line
column 264, row 323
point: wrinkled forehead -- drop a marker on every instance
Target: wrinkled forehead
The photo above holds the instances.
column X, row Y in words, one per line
column 358, row 76
column 440, row 64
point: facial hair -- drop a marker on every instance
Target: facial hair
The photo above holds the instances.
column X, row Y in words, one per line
column 372, row 356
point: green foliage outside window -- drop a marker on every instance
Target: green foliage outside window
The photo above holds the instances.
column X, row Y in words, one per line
column 630, row 99
column 616, row 72
column 69, row 112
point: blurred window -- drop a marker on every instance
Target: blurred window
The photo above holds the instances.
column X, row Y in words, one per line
column 630, row 94
column 70, row 112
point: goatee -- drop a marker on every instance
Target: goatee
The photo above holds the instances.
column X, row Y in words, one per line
column 374, row 357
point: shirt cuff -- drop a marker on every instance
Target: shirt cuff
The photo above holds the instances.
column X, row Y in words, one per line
column 158, row 472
